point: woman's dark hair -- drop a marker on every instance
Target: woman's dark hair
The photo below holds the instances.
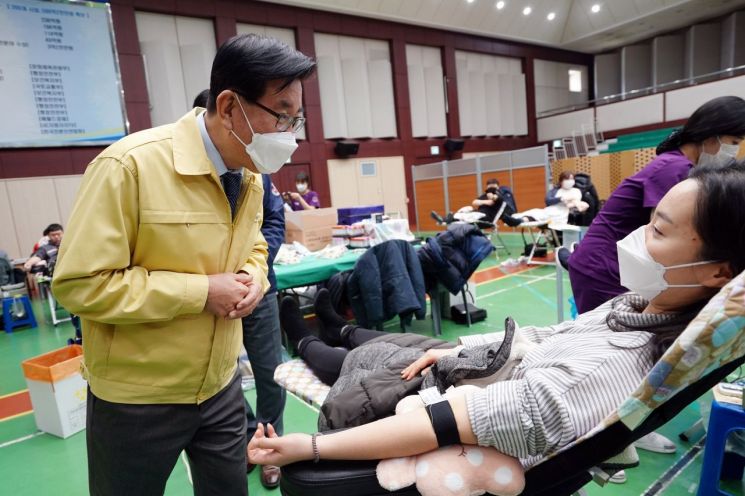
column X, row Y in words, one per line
column 302, row 177
column 719, row 218
column 718, row 117
column 564, row 176
column 247, row 62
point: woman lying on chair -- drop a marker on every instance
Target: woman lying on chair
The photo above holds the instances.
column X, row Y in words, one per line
column 570, row 375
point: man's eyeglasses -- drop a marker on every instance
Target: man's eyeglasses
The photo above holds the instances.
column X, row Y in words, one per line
column 284, row 122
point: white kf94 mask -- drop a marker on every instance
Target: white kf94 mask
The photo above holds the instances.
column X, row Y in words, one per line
column 268, row 151
column 641, row 273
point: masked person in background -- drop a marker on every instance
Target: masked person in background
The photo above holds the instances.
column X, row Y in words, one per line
column 304, row 198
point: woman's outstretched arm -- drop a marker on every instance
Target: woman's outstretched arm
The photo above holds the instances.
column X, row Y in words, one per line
column 400, row 435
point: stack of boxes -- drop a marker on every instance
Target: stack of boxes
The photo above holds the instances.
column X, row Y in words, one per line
column 348, row 231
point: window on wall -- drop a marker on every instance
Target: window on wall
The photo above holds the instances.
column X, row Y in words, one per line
column 356, row 86
column 558, row 84
column 177, row 54
column 426, row 91
column 282, row 34
column 491, row 95
column 575, row 81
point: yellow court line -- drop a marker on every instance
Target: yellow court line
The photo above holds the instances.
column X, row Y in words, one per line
column 16, row 416
column 13, row 394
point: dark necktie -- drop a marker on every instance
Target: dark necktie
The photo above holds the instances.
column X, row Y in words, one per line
column 231, row 183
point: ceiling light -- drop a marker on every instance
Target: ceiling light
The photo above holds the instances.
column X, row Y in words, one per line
column 595, row 8
column 500, row 5
column 470, row 1
column 551, row 16
column 527, row 11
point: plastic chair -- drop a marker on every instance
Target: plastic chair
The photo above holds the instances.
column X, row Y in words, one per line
column 10, row 321
column 725, row 418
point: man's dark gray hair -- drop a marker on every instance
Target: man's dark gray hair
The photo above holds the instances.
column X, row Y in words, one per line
column 201, row 99
column 247, row 62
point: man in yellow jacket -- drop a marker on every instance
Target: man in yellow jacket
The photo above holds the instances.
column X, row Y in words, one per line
column 162, row 257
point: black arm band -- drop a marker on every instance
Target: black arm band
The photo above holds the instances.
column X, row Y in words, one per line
column 443, row 422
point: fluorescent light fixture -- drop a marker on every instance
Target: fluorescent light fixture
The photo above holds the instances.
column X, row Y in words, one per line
column 500, row 5
column 527, row 11
column 470, row 1
column 595, row 8
column 551, row 16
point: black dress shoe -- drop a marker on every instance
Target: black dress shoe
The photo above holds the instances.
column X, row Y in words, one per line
column 270, row 476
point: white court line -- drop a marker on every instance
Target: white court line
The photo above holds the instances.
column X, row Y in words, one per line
column 188, row 468
column 503, row 290
column 20, row 439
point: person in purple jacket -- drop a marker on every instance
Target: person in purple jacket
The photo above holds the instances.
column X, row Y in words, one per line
column 304, row 198
column 711, row 136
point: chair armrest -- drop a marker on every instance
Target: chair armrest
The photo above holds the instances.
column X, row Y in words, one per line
column 336, row 478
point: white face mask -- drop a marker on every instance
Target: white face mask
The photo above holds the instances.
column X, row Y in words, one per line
column 268, row 151
column 640, row 272
column 567, row 184
column 301, row 187
column 726, row 153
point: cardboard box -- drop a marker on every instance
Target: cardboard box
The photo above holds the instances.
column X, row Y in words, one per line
column 58, row 391
column 312, row 228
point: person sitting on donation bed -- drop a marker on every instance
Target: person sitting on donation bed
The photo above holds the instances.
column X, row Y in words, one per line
column 487, row 204
column 560, row 201
column 673, row 265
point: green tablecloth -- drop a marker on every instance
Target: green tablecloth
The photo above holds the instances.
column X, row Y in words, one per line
column 313, row 270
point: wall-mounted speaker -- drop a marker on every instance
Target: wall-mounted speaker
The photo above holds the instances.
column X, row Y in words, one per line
column 453, row 145
column 346, row 148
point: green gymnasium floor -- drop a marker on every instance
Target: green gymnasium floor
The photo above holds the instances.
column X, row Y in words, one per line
column 34, row 463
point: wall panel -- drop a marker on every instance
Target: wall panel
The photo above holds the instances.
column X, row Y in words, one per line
column 430, row 195
column 461, row 191
column 631, row 113
column 529, row 187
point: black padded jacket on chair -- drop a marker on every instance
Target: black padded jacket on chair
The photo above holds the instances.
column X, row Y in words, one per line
column 583, row 182
column 387, row 281
column 452, row 256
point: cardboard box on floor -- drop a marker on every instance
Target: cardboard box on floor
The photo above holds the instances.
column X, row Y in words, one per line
column 312, row 228
column 58, row 391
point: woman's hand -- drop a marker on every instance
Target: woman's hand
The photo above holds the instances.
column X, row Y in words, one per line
column 270, row 449
column 422, row 363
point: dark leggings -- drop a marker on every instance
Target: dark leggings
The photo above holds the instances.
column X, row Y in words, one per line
column 325, row 361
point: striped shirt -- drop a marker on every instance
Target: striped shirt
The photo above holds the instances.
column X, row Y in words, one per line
column 578, row 374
